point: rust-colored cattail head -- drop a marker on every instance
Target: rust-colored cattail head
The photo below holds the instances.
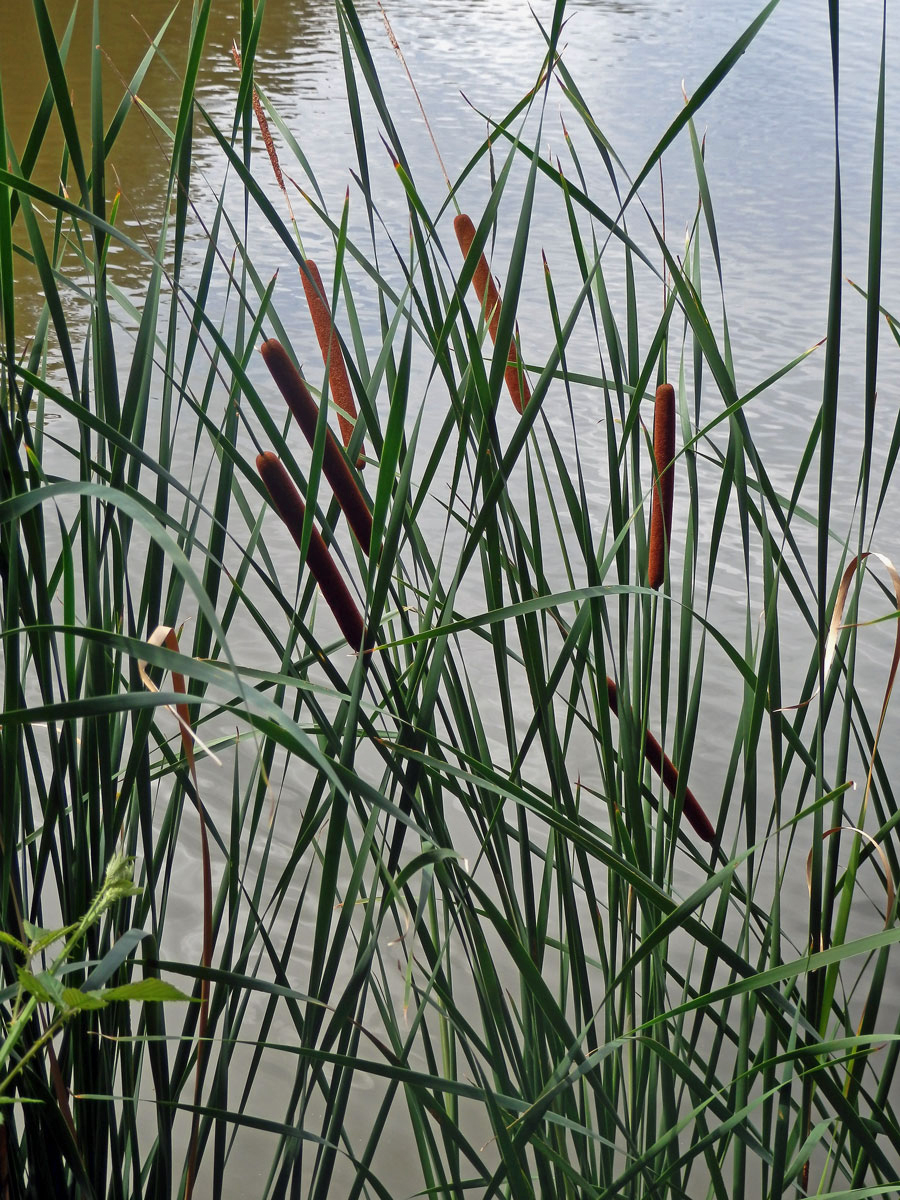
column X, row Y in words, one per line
column 489, row 299
column 291, row 509
column 332, row 355
column 663, row 484
column 668, row 772
column 334, row 463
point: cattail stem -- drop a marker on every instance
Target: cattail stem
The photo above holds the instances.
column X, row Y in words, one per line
column 668, row 772
column 489, row 299
column 334, row 463
column 663, row 483
column 291, row 509
column 338, row 379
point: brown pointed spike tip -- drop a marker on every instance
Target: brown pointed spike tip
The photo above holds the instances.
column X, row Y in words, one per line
column 663, row 483
column 489, row 299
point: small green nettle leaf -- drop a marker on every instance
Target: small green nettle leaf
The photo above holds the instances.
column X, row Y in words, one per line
column 38, row 935
column 146, row 990
column 29, row 984
column 43, row 987
column 42, row 938
column 74, row 998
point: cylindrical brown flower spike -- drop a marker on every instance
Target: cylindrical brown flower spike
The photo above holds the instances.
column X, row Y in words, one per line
column 291, row 509
column 663, row 484
column 668, row 772
column 332, row 355
column 489, row 299
column 334, row 463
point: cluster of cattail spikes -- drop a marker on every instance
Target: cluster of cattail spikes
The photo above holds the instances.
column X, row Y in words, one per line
column 289, row 504
column 334, row 463
column 489, row 299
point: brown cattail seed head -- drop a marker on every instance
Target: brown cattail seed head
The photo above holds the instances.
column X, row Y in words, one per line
column 291, row 509
column 663, row 484
column 334, row 463
column 489, row 299
column 668, row 772
column 332, row 355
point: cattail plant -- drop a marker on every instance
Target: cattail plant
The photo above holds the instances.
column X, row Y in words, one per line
column 334, row 463
column 291, row 509
column 489, row 299
column 668, row 772
column 663, row 483
column 338, row 379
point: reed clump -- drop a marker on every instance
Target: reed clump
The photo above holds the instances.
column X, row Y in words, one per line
column 593, row 997
column 489, row 298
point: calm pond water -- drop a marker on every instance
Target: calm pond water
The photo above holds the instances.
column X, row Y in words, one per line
column 770, row 160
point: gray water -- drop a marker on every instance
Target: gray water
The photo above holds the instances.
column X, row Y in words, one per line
column 770, row 162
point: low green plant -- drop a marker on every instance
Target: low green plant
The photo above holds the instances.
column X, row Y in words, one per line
column 47, row 986
column 454, row 890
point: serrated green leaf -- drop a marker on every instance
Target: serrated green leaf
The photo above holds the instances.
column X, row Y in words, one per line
column 76, row 998
column 44, row 987
column 145, row 990
column 47, row 937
